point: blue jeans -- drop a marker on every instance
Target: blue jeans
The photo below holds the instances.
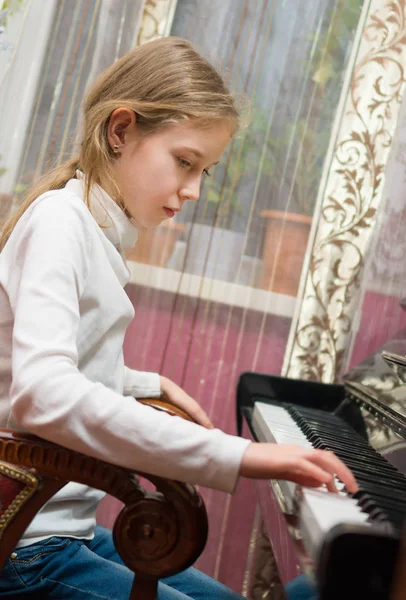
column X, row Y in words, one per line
column 65, row 568
column 300, row 588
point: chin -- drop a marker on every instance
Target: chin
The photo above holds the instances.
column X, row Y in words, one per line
column 152, row 224
column 160, row 221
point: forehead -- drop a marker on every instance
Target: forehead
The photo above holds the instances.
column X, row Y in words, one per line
column 204, row 141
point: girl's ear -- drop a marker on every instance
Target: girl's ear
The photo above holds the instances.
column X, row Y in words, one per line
column 121, row 124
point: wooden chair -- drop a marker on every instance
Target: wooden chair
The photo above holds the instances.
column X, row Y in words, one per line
column 157, row 534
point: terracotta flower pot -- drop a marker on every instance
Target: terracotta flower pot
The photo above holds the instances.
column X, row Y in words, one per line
column 155, row 246
column 285, row 246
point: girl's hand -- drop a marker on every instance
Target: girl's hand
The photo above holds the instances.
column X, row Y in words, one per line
column 178, row 397
column 308, row 467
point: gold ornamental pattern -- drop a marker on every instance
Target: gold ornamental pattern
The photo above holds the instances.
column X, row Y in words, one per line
column 353, row 185
column 30, row 482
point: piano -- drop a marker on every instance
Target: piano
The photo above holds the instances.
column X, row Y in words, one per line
column 363, row 420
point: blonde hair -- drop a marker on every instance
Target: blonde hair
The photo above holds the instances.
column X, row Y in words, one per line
column 162, row 81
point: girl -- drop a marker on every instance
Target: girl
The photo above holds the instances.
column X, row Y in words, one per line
column 155, row 123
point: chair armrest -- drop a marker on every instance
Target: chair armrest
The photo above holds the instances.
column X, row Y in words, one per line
column 156, row 533
column 165, row 406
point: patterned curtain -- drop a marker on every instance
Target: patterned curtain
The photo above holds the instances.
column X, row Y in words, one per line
column 383, row 286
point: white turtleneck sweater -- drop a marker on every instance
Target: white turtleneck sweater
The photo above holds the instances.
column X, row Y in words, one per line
column 63, row 316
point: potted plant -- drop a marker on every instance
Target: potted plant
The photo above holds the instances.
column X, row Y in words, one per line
column 287, row 231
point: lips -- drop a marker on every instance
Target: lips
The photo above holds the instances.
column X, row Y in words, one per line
column 169, row 212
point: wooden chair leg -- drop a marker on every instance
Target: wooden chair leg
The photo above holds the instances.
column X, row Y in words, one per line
column 147, row 589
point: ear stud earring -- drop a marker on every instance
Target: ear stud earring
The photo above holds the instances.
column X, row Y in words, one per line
column 115, row 149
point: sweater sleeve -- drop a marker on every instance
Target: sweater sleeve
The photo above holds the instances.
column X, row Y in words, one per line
column 141, row 384
column 49, row 262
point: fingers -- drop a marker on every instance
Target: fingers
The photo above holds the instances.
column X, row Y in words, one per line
column 331, row 486
column 332, row 464
column 311, row 478
column 205, row 421
column 309, row 470
column 321, row 466
column 307, row 481
column 201, row 417
column 178, row 397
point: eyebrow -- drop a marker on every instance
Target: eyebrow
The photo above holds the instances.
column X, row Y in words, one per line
column 197, row 153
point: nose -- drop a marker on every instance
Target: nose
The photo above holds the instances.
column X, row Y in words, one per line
column 191, row 191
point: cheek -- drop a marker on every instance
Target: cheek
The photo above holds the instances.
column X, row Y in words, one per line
column 126, row 171
column 150, row 172
column 161, row 174
column 134, row 176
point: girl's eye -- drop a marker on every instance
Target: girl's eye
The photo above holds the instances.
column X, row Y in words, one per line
column 187, row 165
column 184, row 163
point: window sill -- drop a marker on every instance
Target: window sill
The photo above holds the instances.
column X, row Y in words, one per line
column 224, row 292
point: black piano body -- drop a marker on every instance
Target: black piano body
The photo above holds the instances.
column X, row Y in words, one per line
column 371, row 401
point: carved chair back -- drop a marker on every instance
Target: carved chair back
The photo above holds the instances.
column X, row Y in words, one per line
column 157, row 534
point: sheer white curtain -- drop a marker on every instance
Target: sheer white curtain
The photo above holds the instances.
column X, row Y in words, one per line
column 79, row 39
column 215, row 294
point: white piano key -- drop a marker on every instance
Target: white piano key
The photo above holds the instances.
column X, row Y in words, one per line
column 319, row 513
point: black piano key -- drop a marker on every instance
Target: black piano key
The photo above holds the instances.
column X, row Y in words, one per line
column 321, row 437
column 380, row 490
column 375, row 476
column 369, row 501
column 377, row 516
column 336, row 439
column 375, row 471
column 328, row 428
column 336, row 434
column 363, row 457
